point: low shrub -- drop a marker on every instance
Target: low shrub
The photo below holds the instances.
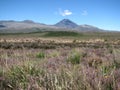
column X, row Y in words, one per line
column 40, row 55
column 74, row 57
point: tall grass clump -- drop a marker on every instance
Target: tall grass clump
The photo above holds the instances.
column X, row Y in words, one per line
column 74, row 57
column 20, row 77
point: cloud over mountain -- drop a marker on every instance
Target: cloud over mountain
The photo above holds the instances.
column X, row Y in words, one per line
column 65, row 12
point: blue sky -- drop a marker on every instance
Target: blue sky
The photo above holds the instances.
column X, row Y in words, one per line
column 104, row 14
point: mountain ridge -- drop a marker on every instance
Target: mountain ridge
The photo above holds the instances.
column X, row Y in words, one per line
column 28, row 25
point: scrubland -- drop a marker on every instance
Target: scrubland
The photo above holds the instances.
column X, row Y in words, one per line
column 38, row 63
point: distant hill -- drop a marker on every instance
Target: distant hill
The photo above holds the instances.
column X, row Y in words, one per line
column 27, row 26
column 23, row 26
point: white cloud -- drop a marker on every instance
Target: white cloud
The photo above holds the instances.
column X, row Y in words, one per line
column 84, row 13
column 65, row 12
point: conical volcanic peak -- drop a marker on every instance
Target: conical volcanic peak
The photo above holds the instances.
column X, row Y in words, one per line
column 66, row 23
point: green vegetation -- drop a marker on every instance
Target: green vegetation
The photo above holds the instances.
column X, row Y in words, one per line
column 62, row 33
column 40, row 55
column 74, row 57
column 19, row 76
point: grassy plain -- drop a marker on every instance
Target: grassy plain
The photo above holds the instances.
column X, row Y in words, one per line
column 60, row 61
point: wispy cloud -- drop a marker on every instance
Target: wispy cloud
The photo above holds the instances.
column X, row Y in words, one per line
column 65, row 12
column 84, row 13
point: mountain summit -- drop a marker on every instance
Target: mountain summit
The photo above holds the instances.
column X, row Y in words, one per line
column 66, row 23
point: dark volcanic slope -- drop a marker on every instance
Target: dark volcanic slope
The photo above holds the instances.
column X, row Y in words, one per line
column 66, row 23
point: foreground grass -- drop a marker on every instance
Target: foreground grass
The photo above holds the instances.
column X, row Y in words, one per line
column 60, row 69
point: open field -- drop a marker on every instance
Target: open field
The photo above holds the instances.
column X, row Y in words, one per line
column 60, row 61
